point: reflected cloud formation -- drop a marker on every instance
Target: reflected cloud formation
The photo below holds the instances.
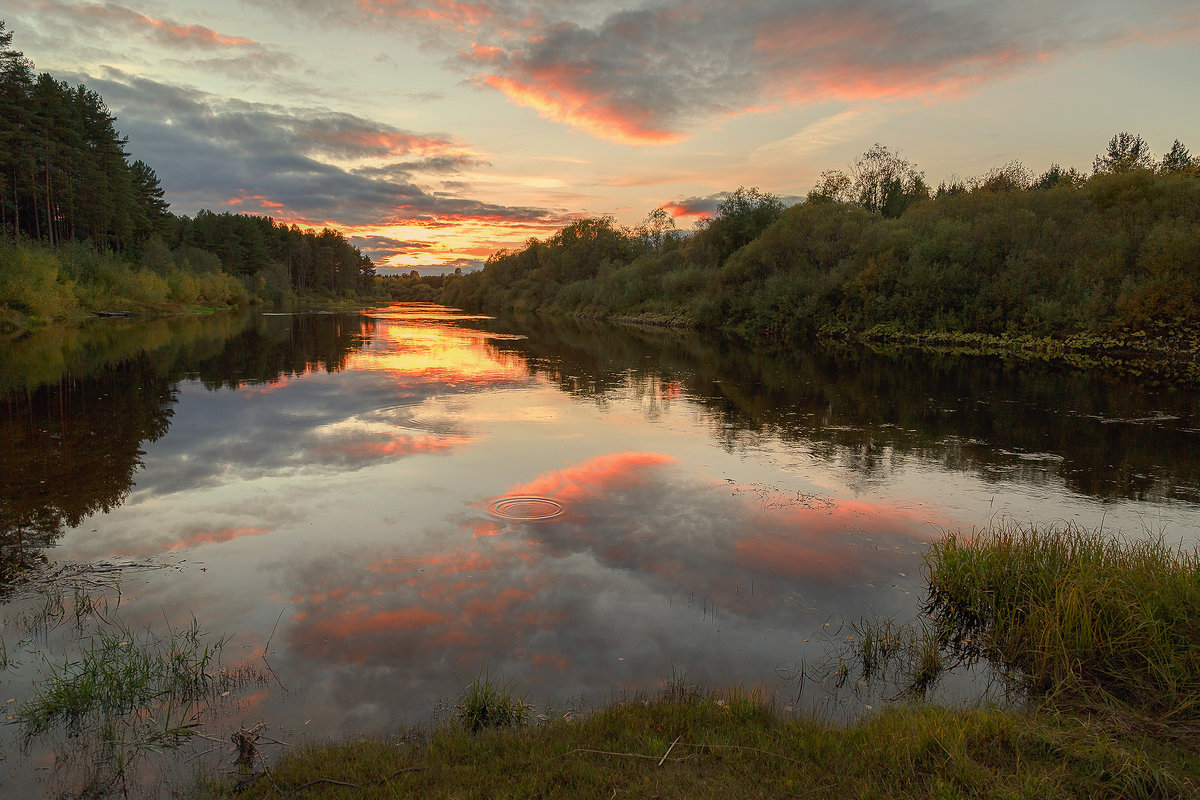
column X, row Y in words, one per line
column 653, row 563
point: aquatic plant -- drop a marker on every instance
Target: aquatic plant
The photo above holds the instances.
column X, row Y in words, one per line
column 121, row 695
column 906, row 656
column 122, row 678
column 1075, row 615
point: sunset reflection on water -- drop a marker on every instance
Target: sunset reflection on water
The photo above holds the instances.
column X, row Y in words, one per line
column 332, row 513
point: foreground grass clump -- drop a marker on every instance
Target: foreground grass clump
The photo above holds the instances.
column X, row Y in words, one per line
column 1076, row 617
column 139, row 687
column 489, row 701
column 734, row 744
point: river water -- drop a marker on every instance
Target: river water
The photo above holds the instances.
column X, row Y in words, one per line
column 377, row 507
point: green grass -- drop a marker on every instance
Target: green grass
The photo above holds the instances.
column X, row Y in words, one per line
column 1076, row 617
column 734, row 744
column 125, row 678
column 489, row 701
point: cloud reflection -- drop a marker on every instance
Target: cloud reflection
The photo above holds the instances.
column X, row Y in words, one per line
column 653, row 560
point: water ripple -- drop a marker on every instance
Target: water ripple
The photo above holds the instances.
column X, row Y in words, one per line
column 525, row 508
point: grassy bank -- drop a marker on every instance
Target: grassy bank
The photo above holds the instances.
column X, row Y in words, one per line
column 1077, row 619
column 1096, row 636
column 41, row 284
column 729, row 744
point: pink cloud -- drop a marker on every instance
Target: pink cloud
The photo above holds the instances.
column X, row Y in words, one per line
column 165, row 30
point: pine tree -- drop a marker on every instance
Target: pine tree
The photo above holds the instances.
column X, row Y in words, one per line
column 1126, row 152
column 1178, row 159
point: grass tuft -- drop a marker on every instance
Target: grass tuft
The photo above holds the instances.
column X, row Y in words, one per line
column 123, row 678
column 489, row 701
column 1075, row 616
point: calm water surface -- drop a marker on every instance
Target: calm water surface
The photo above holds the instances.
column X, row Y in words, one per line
column 330, row 491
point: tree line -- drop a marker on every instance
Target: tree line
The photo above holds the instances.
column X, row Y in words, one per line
column 66, row 174
column 275, row 260
column 874, row 250
column 84, row 226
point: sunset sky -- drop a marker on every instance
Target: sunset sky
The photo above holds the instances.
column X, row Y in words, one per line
column 433, row 132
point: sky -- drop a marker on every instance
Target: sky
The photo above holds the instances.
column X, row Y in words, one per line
column 435, row 132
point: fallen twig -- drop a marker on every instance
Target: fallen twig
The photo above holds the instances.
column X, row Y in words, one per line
column 630, row 755
column 669, row 749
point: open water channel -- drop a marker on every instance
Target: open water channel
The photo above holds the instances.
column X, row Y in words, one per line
column 376, row 507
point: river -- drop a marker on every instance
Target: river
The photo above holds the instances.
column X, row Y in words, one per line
column 377, row 507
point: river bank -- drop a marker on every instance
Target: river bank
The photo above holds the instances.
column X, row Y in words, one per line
column 725, row 745
column 1157, row 355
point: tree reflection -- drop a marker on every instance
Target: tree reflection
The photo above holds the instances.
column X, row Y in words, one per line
column 1107, row 436
column 79, row 404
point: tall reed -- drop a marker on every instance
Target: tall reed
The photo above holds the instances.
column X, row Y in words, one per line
column 1075, row 615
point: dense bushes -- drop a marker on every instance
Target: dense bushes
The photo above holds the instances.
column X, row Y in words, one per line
column 1119, row 251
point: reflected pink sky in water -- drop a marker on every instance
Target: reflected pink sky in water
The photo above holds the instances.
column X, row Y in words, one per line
column 343, row 516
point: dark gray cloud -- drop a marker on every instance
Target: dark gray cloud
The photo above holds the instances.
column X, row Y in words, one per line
column 213, row 152
column 443, row 165
column 696, row 206
column 707, row 206
column 378, row 248
column 386, row 242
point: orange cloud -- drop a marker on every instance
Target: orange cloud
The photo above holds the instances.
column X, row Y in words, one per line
column 381, row 448
column 192, row 538
column 445, row 564
column 449, row 13
column 383, row 143
column 255, row 200
column 269, row 387
column 677, row 211
column 196, row 34
column 462, row 238
column 598, row 476
column 360, row 620
column 214, row 537
column 559, row 101
column 809, row 541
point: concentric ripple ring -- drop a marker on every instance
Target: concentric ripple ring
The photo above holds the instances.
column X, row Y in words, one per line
column 525, row 508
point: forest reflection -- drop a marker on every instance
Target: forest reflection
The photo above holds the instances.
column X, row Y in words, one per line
column 1106, row 436
column 79, row 404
